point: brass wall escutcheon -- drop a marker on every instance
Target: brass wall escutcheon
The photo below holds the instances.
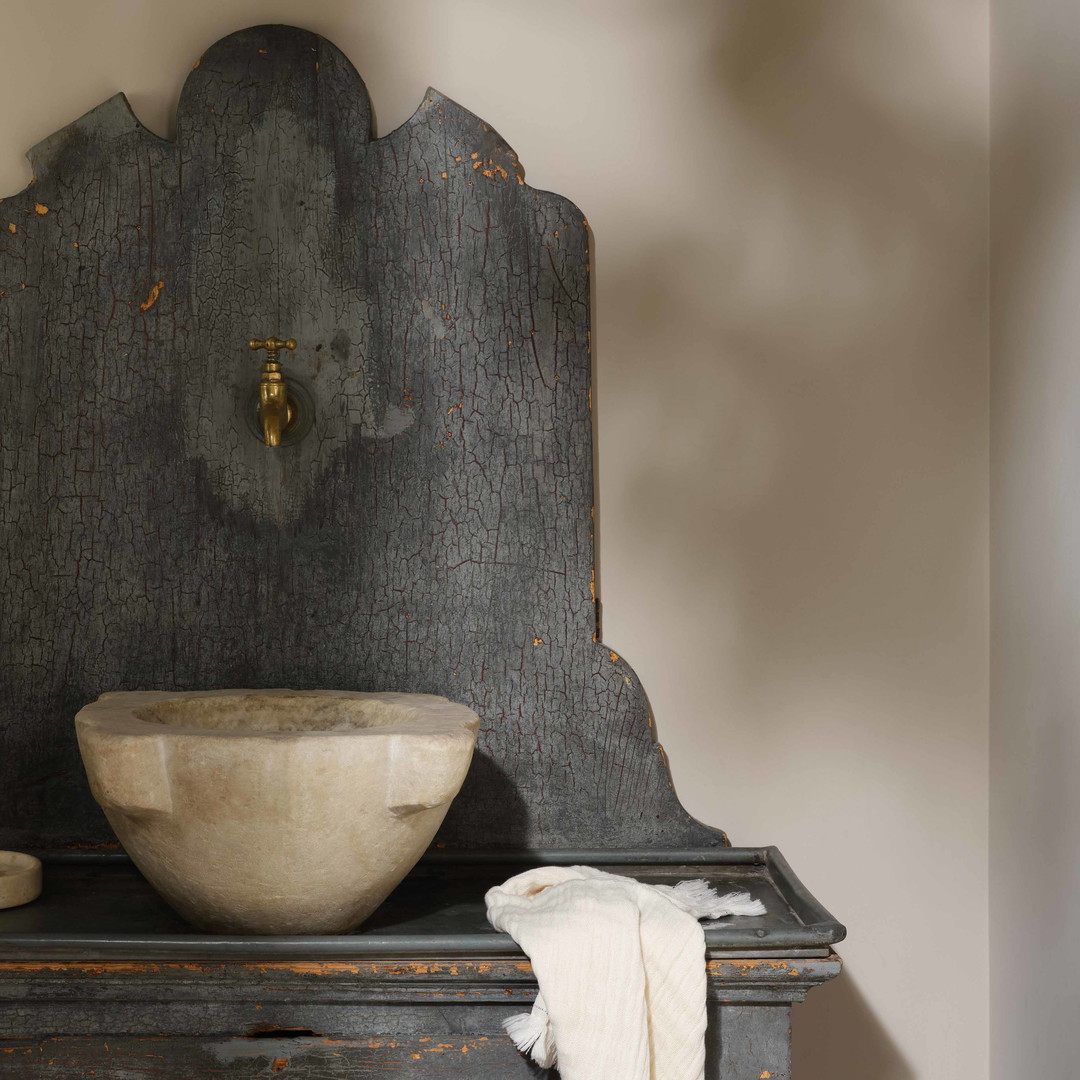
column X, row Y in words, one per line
column 277, row 412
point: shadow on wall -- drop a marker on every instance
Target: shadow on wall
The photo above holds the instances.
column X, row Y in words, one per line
column 811, row 480
column 836, row 1034
column 828, row 318
column 1035, row 437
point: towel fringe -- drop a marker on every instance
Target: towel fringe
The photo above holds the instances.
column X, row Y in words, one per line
column 699, row 897
column 532, row 1035
column 739, row 903
column 701, row 900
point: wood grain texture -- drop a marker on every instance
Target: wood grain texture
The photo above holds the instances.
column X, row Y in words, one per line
column 434, row 531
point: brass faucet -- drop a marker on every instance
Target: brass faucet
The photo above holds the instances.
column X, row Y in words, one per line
column 275, row 409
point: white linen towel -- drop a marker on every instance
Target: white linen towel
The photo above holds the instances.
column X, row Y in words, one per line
column 621, row 969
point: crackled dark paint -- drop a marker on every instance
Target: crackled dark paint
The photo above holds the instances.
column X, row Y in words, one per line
column 434, row 531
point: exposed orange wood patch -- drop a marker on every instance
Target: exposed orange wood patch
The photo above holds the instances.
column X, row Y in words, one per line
column 41, row 208
column 151, row 298
column 751, row 965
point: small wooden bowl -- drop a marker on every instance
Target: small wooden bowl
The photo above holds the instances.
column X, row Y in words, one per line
column 20, row 878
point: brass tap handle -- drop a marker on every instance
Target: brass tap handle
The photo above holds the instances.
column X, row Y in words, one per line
column 271, row 345
column 275, row 409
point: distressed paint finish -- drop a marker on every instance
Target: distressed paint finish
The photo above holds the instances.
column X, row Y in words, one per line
column 434, row 531
column 749, row 1042
column 401, row 979
column 103, row 963
column 432, row 1018
column 155, row 1058
column 758, row 1056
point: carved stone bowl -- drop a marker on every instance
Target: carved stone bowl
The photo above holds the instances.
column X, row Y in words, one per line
column 275, row 811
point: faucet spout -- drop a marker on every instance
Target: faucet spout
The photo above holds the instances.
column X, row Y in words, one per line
column 275, row 409
column 273, row 404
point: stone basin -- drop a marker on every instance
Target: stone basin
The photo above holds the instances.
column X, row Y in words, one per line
column 275, row 811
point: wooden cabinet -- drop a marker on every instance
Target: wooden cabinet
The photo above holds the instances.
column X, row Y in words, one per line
column 102, row 975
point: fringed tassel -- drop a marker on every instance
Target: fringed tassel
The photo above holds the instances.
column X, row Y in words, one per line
column 700, row 899
column 532, row 1034
column 737, row 903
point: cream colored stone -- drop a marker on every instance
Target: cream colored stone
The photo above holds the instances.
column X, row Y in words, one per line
column 275, row 811
column 20, row 878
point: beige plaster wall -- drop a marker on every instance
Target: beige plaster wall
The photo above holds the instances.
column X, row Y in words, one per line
column 1035, row 476
column 788, row 200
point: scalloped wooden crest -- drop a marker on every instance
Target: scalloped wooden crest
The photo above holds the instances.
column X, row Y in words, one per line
column 434, row 532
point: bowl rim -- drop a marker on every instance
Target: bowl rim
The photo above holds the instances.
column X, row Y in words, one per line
column 114, row 713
